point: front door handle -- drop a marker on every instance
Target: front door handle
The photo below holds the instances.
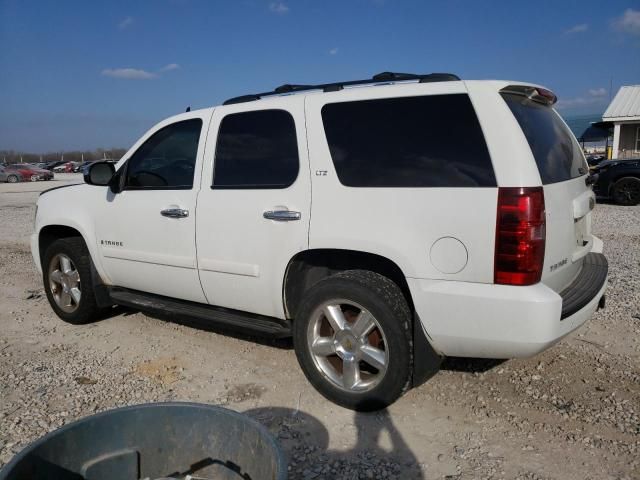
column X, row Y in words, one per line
column 282, row 215
column 174, row 212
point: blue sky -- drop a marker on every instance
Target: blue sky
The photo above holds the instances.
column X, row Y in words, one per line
column 88, row 74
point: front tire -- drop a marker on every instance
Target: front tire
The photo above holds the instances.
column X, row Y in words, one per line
column 12, row 179
column 66, row 270
column 352, row 337
column 626, row 191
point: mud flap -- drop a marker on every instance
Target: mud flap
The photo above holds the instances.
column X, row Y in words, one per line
column 100, row 290
column 426, row 362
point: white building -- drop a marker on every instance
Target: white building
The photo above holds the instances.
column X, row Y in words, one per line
column 624, row 114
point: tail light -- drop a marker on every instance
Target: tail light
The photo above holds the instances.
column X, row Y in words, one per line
column 520, row 236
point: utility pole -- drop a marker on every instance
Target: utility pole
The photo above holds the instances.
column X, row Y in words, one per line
column 610, row 88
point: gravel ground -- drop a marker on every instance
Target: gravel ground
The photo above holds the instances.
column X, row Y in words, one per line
column 569, row 413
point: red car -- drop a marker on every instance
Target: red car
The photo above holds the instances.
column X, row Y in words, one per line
column 23, row 173
column 67, row 167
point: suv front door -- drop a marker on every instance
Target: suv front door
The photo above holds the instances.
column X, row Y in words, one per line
column 254, row 204
column 146, row 232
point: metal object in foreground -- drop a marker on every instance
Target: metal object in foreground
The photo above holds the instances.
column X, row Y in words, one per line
column 157, row 440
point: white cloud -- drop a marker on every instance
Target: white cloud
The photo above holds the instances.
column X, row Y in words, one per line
column 169, row 67
column 278, row 7
column 138, row 73
column 629, row 22
column 128, row 73
column 579, row 102
column 595, row 96
column 598, row 92
column 333, row 51
column 125, row 23
column 582, row 27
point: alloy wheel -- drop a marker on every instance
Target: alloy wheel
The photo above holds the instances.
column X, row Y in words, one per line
column 64, row 283
column 347, row 345
column 629, row 191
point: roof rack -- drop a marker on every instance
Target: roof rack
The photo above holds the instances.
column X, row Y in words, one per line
column 380, row 78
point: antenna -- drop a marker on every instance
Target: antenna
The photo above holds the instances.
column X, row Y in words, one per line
column 610, row 88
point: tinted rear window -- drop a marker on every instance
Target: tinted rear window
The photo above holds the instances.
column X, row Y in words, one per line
column 557, row 153
column 257, row 149
column 427, row 141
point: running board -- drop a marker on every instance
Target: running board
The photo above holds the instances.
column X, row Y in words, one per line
column 205, row 315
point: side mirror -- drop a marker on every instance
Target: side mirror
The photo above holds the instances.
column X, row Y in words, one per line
column 99, row 173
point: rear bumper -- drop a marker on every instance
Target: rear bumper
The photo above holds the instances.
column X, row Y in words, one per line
column 499, row 321
column 586, row 286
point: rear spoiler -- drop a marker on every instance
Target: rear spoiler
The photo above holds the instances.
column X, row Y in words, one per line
column 536, row 94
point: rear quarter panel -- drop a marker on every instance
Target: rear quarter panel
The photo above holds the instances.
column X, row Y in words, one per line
column 401, row 224
column 566, row 202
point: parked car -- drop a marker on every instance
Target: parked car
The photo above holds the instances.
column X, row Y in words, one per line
column 22, row 172
column 80, row 167
column 67, row 167
column 53, row 164
column 9, row 174
column 618, row 180
column 383, row 224
column 594, row 160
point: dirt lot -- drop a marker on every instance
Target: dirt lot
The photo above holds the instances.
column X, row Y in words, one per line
column 570, row 413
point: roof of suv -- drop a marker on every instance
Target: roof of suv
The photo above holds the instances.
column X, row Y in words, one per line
column 383, row 78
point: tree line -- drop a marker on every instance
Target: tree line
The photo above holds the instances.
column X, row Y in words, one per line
column 13, row 156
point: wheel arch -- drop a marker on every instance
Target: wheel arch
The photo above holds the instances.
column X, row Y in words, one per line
column 50, row 233
column 308, row 267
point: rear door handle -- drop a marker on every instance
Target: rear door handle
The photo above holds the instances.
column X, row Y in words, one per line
column 282, row 215
column 174, row 212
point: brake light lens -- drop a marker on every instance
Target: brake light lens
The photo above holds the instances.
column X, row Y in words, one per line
column 520, row 236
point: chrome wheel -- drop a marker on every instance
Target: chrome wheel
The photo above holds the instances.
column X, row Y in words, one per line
column 64, row 283
column 348, row 345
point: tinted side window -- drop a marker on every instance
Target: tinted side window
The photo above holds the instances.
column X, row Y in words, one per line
column 167, row 159
column 427, row 141
column 256, row 150
column 556, row 151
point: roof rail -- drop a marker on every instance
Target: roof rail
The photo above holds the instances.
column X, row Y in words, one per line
column 384, row 77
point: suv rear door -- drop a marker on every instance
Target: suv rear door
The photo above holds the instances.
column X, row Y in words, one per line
column 254, row 204
column 568, row 199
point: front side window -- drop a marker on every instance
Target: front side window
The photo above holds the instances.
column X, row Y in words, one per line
column 166, row 160
column 256, row 149
column 426, row 141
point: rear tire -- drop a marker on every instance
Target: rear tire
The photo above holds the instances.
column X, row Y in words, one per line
column 626, row 191
column 66, row 272
column 352, row 337
column 12, row 179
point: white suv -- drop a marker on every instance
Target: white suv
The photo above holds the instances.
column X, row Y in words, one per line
column 383, row 223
